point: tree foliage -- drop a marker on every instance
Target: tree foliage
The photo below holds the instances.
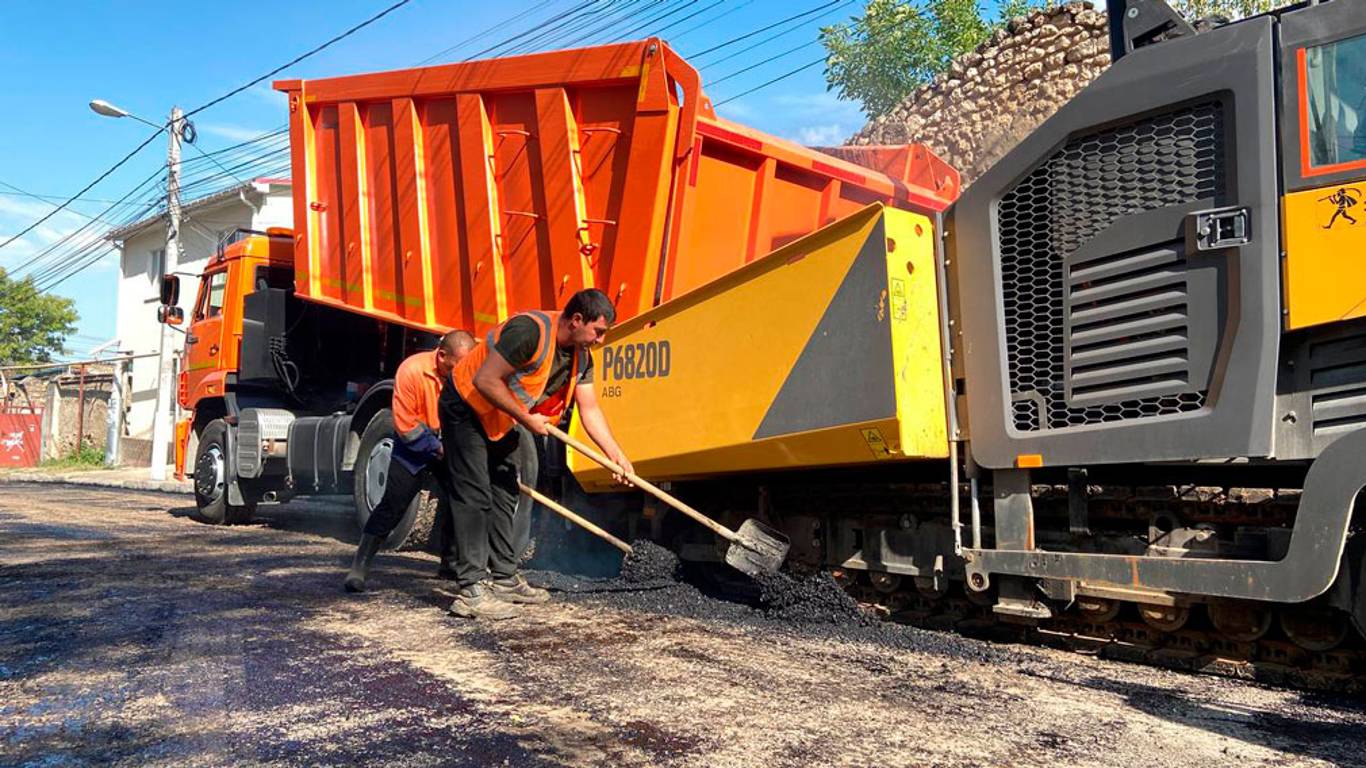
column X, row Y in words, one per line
column 33, row 325
column 895, row 46
column 1229, row 9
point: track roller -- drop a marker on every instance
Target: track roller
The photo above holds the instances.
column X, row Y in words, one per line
column 1098, row 609
column 1240, row 620
column 1164, row 618
column 1314, row 628
column 884, row 582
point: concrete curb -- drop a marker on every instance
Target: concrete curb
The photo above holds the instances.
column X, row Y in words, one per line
column 93, row 479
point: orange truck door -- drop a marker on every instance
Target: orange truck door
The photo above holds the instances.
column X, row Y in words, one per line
column 204, row 341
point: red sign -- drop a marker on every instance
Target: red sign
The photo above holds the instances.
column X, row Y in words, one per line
column 21, row 439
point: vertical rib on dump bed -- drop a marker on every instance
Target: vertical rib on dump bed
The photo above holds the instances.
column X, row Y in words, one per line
column 453, row 196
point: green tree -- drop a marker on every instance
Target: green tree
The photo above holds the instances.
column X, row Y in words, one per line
column 1230, row 9
column 896, row 46
column 33, row 324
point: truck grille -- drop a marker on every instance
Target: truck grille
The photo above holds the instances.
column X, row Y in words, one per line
column 1107, row 339
column 1338, row 385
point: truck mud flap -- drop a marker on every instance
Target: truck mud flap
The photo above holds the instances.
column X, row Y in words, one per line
column 1308, row 569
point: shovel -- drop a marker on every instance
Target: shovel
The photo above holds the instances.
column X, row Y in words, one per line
column 755, row 549
column 570, row 515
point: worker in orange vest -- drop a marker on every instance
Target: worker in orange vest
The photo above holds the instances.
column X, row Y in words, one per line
column 509, row 388
column 417, row 449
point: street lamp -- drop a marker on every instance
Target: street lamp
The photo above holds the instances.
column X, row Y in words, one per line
column 161, row 424
column 108, row 110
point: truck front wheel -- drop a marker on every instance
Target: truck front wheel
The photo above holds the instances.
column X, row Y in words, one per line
column 415, row 530
column 212, row 474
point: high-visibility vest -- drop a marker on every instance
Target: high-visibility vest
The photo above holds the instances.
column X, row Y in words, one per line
column 527, row 382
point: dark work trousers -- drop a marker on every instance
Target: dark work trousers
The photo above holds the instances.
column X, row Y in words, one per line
column 400, row 487
column 484, row 497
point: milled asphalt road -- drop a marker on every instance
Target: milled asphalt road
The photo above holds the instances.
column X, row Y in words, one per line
column 131, row 635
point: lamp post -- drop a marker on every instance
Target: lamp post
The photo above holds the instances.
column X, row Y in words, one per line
column 162, row 428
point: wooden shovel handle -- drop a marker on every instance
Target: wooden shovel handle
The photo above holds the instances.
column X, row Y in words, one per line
column 644, row 485
column 572, row 517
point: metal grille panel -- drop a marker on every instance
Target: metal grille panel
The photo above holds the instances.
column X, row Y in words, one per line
column 1137, row 321
column 1338, row 385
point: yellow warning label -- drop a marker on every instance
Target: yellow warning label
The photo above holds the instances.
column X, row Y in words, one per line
column 900, row 307
column 876, row 443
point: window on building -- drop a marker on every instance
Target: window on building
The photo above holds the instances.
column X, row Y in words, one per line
column 212, row 303
column 156, row 265
column 1335, row 85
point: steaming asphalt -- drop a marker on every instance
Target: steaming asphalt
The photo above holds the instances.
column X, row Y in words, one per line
column 131, row 635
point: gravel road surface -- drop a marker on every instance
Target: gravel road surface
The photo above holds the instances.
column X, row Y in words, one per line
column 132, row 635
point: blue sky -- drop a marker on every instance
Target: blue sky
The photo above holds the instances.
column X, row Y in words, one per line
column 147, row 56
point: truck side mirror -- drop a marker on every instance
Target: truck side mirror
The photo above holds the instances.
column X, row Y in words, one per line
column 170, row 289
column 170, row 315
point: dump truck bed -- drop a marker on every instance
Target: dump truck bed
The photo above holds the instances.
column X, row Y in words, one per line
column 453, row 196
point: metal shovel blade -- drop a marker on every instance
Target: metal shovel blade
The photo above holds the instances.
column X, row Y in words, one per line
column 759, row 549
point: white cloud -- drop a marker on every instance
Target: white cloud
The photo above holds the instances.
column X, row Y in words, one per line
column 231, row 132
column 821, row 135
column 819, row 105
column 267, row 94
column 17, row 214
column 738, row 111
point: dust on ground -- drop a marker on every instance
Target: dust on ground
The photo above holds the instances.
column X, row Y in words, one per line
column 130, row 634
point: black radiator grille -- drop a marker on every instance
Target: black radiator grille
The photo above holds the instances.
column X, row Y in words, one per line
column 1338, row 385
column 1128, row 311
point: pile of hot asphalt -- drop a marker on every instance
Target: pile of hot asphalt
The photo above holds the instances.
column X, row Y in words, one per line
column 652, row 580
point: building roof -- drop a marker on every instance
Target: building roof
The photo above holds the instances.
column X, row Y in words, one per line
column 261, row 184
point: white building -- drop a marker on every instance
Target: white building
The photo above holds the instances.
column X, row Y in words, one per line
column 205, row 224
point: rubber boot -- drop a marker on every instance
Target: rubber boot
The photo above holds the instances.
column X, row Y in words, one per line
column 360, row 564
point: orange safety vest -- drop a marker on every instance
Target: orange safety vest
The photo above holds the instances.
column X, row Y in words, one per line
column 527, row 382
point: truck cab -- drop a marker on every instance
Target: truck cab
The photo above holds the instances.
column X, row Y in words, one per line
column 214, row 336
column 269, row 377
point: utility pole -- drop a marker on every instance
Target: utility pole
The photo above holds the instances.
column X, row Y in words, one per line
column 162, row 426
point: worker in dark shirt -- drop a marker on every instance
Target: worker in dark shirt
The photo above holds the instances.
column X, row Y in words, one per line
column 520, row 380
column 417, row 448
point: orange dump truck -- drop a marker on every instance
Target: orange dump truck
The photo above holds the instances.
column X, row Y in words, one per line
column 453, row 196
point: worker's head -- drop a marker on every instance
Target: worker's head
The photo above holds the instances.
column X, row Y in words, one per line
column 453, row 347
column 587, row 317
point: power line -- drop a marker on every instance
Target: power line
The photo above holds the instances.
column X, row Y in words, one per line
column 747, row 35
column 772, row 38
column 478, row 35
column 301, row 57
column 772, row 58
column 49, row 198
column 777, row 79
column 627, row 35
column 572, row 11
column 83, row 190
column 624, row 12
column 734, row 7
column 546, row 38
column 203, row 107
column 33, row 260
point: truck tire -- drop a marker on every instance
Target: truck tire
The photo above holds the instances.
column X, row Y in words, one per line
column 416, row 530
column 212, row 475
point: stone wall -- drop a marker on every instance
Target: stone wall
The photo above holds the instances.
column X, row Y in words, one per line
column 992, row 98
column 67, row 407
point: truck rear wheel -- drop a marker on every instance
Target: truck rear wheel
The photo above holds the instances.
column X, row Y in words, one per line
column 416, row 530
column 212, row 475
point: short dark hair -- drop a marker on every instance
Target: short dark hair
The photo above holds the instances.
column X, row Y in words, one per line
column 456, row 339
column 590, row 303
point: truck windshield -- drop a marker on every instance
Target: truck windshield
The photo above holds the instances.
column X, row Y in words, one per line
column 1335, row 81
